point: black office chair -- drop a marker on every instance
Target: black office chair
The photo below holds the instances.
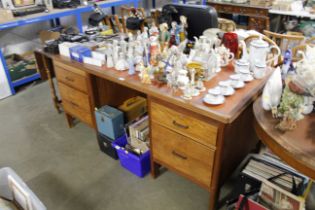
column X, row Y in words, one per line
column 199, row 17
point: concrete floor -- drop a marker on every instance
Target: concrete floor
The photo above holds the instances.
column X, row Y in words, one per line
column 66, row 170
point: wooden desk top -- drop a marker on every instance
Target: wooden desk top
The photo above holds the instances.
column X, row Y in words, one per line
column 296, row 147
column 225, row 113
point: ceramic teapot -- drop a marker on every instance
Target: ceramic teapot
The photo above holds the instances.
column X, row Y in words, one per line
column 259, row 50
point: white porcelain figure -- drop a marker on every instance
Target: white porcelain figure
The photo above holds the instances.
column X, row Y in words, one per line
column 272, row 92
column 121, row 64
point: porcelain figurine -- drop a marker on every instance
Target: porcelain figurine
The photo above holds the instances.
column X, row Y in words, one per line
column 194, row 91
column 139, row 67
column 173, row 34
column 290, row 110
column 130, row 37
column 123, row 46
column 145, row 76
column 183, row 28
column 145, row 34
column 115, row 51
column 121, row 64
column 200, row 86
column 182, row 79
column 109, row 60
column 213, row 65
column 154, row 51
column 164, row 37
column 154, row 31
column 139, row 36
column 287, row 62
column 272, row 92
column 131, row 63
column 308, row 105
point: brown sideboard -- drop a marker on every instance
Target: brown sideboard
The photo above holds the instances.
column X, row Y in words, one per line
column 258, row 17
column 200, row 142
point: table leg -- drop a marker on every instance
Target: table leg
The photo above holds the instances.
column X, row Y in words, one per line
column 69, row 119
column 214, row 196
column 155, row 169
column 54, row 97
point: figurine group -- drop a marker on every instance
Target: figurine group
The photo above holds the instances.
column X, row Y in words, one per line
column 290, row 91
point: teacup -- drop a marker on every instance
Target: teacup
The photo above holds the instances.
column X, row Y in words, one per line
column 236, row 81
column 241, row 65
column 246, row 75
column 225, row 55
column 214, row 94
column 259, row 71
column 226, row 88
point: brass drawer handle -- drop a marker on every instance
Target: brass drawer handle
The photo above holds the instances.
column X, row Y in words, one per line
column 180, row 125
column 69, row 79
column 179, row 155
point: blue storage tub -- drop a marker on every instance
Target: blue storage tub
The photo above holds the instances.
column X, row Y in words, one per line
column 138, row 165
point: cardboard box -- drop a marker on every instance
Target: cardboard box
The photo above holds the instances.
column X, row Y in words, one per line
column 5, row 15
column 78, row 52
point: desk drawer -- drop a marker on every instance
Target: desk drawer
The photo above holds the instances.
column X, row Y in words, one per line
column 181, row 153
column 72, row 79
column 199, row 130
column 75, row 111
column 75, row 97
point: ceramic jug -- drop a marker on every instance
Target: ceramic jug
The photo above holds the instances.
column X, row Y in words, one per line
column 259, row 50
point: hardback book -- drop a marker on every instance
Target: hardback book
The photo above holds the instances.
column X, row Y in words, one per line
column 276, row 198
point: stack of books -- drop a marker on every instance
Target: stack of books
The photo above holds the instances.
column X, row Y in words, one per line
column 282, row 187
column 139, row 135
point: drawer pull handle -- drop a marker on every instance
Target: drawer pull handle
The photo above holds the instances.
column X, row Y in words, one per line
column 74, row 104
column 179, row 155
column 180, row 125
column 69, row 79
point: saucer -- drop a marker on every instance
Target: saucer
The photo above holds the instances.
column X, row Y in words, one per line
column 248, row 78
column 215, row 91
column 219, row 101
column 230, row 92
column 239, row 85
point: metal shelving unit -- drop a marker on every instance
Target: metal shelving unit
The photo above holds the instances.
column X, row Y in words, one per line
column 55, row 14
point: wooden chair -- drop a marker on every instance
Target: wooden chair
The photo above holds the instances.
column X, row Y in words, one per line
column 129, row 11
column 285, row 41
column 226, row 25
column 114, row 23
column 273, row 53
column 310, row 41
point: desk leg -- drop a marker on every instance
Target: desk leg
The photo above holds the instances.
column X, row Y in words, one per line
column 155, row 169
column 214, row 197
column 69, row 119
column 51, row 85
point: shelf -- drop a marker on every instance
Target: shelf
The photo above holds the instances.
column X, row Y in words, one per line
column 26, row 80
column 293, row 13
column 53, row 14
column 59, row 13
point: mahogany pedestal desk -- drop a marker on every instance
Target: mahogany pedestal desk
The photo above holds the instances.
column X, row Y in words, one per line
column 258, row 16
column 200, row 142
column 296, row 148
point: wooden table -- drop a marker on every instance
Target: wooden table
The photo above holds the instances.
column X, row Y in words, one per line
column 200, row 142
column 296, row 148
column 258, row 16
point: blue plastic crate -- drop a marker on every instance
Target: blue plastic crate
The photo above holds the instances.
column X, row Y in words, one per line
column 136, row 164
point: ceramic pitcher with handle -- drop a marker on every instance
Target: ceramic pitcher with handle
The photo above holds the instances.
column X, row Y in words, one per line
column 259, row 50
